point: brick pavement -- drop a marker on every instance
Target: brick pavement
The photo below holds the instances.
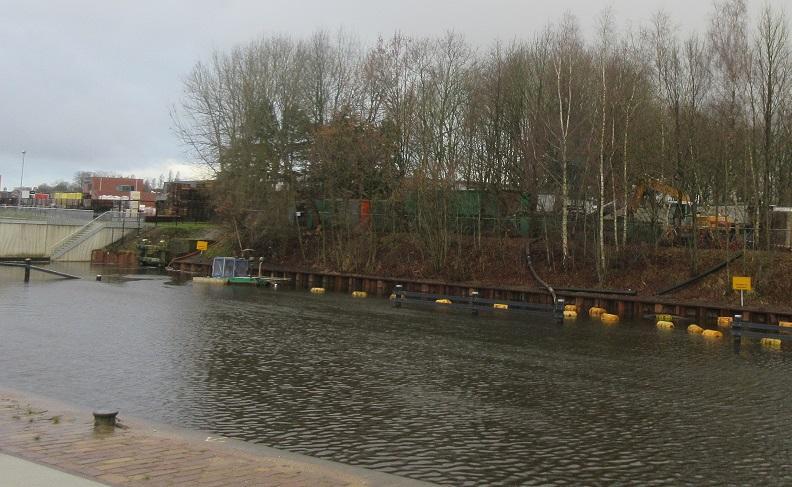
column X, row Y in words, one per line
column 142, row 455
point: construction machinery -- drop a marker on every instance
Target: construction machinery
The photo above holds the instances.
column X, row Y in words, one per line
column 710, row 230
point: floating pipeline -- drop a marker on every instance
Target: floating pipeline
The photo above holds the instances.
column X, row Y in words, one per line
column 472, row 302
column 626, row 306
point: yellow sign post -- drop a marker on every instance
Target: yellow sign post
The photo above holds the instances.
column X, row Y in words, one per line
column 742, row 284
column 201, row 245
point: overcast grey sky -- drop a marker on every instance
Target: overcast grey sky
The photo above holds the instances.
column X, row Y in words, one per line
column 87, row 85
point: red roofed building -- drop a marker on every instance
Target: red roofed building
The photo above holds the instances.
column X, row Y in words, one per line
column 100, row 187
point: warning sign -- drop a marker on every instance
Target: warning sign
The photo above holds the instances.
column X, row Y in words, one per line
column 201, row 245
column 741, row 283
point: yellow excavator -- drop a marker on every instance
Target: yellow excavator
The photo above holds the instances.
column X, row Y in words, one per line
column 709, row 229
column 657, row 186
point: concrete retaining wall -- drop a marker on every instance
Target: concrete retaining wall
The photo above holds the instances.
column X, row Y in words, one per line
column 36, row 240
column 31, row 239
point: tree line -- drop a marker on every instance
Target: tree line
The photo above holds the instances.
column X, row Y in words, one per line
column 283, row 120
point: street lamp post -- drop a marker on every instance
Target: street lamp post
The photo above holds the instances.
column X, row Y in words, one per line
column 21, row 176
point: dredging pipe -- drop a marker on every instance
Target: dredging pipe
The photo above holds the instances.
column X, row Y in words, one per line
column 545, row 285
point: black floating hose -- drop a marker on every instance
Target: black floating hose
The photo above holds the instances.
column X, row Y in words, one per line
column 706, row 273
column 539, row 279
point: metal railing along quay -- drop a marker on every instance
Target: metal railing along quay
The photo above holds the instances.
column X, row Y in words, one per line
column 52, row 216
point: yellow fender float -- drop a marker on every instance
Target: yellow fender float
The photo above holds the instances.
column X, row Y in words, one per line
column 725, row 321
column 359, row 294
column 695, row 329
column 665, row 325
column 714, row 334
column 443, row 301
column 596, row 311
column 570, row 315
column 771, row 342
column 317, row 290
column 609, row 319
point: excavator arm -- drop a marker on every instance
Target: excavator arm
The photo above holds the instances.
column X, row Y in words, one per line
column 657, row 186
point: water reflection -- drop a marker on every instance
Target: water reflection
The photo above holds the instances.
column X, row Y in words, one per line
column 444, row 397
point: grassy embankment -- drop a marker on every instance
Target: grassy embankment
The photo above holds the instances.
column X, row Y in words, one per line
column 169, row 232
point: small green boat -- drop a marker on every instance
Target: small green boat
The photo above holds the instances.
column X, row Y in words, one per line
column 231, row 270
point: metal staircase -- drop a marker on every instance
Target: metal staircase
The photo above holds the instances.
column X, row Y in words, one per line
column 105, row 220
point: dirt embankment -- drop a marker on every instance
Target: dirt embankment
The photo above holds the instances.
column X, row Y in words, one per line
column 490, row 261
column 645, row 269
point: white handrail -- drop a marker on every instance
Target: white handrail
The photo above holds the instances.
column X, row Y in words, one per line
column 104, row 216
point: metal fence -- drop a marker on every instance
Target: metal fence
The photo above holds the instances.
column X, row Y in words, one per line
column 53, row 216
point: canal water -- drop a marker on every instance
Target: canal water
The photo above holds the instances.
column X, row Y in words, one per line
column 498, row 399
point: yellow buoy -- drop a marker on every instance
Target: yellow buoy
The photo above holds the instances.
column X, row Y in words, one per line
column 500, row 306
column 570, row 307
column 359, row 294
column 317, row 290
column 392, row 296
column 725, row 321
column 712, row 334
column 695, row 329
column 664, row 317
column 608, row 318
column 443, row 301
column 665, row 325
column 596, row 311
column 785, row 324
column 771, row 342
column 570, row 315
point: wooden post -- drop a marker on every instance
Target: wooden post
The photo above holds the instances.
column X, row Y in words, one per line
column 27, row 270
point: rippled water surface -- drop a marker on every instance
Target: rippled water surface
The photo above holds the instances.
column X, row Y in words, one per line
column 430, row 394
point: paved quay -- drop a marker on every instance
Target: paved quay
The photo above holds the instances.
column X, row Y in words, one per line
column 47, row 443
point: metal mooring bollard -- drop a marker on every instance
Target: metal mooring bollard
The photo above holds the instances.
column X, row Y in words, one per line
column 98, row 277
column 397, row 299
column 737, row 332
column 105, row 418
column 559, row 311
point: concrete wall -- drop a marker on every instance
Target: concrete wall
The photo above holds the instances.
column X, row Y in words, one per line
column 31, row 239
column 36, row 239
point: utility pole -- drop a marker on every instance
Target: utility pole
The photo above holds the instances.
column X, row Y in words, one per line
column 22, row 175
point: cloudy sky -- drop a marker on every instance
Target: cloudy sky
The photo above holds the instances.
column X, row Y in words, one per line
column 87, row 85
